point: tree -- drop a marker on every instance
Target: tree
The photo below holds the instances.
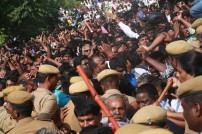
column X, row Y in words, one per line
column 69, row 4
column 23, row 19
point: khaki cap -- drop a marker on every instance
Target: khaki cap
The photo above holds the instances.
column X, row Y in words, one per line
column 105, row 73
column 199, row 30
column 10, row 89
column 132, row 129
column 196, row 23
column 78, row 87
column 150, row 115
column 178, row 47
column 19, row 97
column 156, row 131
column 48, row 69
column 75, row 79
column 190, row 87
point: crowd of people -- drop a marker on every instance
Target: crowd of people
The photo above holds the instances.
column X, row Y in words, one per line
column 130, row 51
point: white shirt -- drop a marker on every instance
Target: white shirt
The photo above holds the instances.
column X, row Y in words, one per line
column 127, row 30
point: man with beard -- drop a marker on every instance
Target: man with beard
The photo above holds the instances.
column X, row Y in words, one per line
column 118, row 105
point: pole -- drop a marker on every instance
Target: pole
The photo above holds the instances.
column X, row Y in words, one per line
column 165, row 90
column 97, row 97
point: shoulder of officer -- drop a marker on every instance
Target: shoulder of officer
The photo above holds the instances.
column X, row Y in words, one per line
column 132, row 129
column 156, row 131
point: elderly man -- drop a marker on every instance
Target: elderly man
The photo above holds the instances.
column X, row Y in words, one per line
column 109, row 81
column 118, row 105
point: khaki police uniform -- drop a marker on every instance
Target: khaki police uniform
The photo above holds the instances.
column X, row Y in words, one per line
column 150, row 115
column 75, row 79
column 30, row 126
column 133, row 106
column 26, row 125
column 78, row 86
column 188, row 88
column 156, row 131
column 103, row 74
column 116, row 91
column 45, row 102
column 132, row 129
column 6, row 121
column 71, row 117
column 178, row 47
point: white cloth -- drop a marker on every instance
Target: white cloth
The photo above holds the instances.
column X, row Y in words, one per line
column 176, row 105
column 127, row 30
column 148, row 2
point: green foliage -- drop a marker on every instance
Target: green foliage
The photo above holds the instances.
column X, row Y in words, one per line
column 69, row 4
column 27, row 18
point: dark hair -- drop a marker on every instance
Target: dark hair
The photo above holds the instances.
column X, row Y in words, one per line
column 92, row 65
column 134, row 57
column 141, row 36
column 79, row 97
column 77, row 60
column 69, row 52
column 172, row 15
column 110, row 78
column 87, row 107
column 103, row 130
column 24, row 109
column 13, row 76
column 85, row 42
column 41, row 77
column 186, row 13
column 191, row 99
column 191, row 63
column 45, row 131
column 117, row 62
column 149, row 89
column 66, row 127
column 157, row 55
column 89, row 129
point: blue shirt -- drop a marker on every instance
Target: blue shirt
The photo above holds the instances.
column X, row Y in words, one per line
column 132, row 79
column 62, row 98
